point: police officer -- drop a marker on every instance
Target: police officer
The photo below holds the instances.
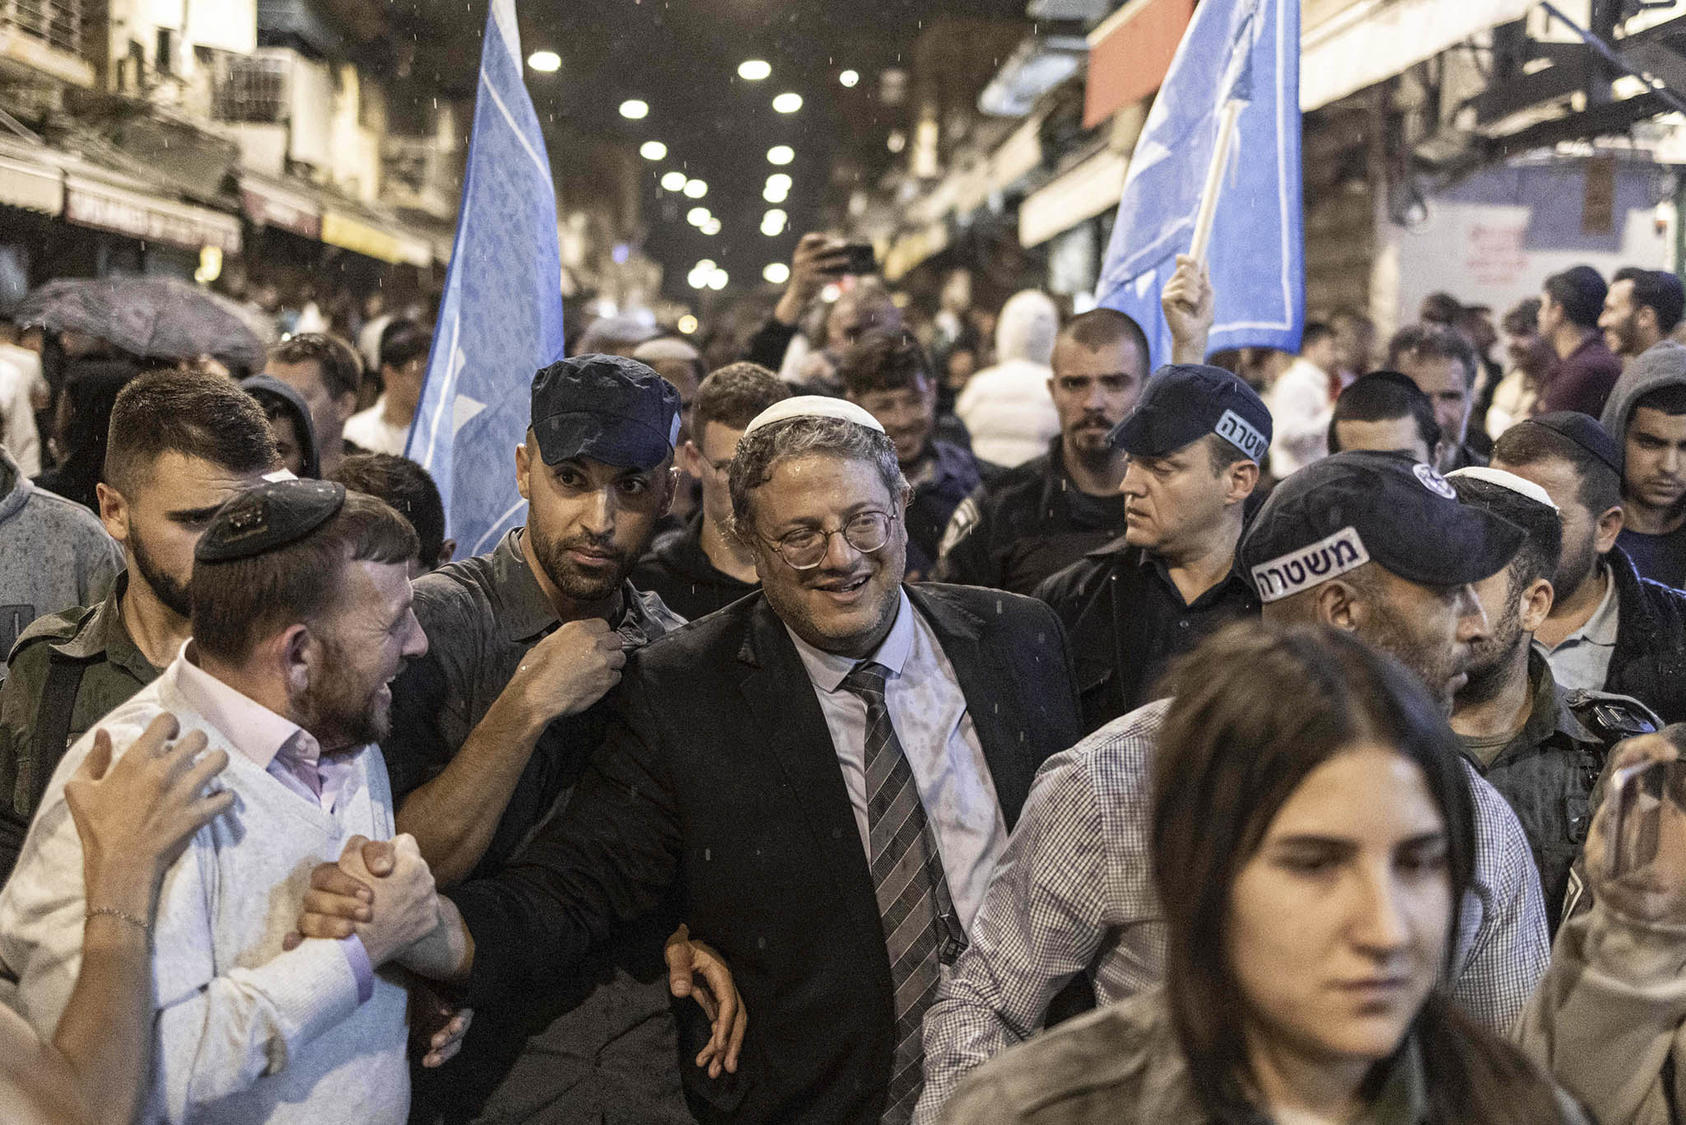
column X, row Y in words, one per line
column 1543, row 748
column 181, row 444
column 1042, row 516
column 1193, row 444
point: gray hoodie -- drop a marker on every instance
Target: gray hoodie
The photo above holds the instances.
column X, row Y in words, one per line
column 54, row 554
column 1658, row 366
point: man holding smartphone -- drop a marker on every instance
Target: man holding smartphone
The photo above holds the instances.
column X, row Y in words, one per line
column 820, row 260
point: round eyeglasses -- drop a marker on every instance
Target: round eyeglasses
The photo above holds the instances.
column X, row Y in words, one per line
column 805, row 548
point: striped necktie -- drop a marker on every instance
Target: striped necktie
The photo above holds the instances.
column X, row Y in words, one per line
column 907, row 874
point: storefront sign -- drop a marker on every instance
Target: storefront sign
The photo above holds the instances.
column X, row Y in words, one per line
column 94, row 204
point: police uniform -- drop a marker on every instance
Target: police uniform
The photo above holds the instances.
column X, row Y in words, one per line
column 1549, row 769
column 1025, row 525
column 1124, row 615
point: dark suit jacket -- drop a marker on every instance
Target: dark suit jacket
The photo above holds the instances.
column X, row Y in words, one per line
column 719, row 774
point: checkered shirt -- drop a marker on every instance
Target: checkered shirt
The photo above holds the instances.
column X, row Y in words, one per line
column 1074, row 893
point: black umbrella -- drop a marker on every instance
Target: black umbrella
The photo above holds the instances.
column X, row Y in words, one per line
column 150, row 317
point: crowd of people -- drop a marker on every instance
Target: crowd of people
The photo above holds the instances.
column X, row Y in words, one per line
column 883, row 719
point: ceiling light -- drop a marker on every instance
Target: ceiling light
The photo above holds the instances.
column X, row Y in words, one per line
column 787, row 103
column 697, row 216
column 695, row 189
column 780, row 180
column 780, row 154
column 831, row 292
column 776, row 272
column 897, row 140
column 712, row 227
column 634, row 110
column 718, row 279
column 687, row 324
column 697, row 279
column 772, row 223
column 849, row 79
column 754, row 70
column 652, row 150
column 674, row 181
column 774, row 193
column 545, row 62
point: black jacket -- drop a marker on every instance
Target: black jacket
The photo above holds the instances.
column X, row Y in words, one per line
column 1022, row 526
column 719, row 774
column 1650, row 658
column 678, row 569
column 1126, row 620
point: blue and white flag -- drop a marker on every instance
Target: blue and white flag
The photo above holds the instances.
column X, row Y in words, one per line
column 501, row 316
column 1248, row 50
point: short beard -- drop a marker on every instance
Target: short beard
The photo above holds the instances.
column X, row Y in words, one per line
column 172, row 594
column 1574, row 570
column 1389, row 633
column 1491, row 660
column 574, row 583
column 333, row 711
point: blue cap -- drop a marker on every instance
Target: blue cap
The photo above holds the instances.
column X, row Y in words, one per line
column 1184, row 402
column 1360, row 506
column 607, row 408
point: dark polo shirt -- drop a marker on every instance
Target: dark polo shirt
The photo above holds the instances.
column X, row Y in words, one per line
column 1126, row 620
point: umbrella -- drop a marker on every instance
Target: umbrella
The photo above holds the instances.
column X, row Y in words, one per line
column 150, row 317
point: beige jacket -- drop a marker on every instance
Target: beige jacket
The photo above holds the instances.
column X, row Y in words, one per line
column 1607, row 1018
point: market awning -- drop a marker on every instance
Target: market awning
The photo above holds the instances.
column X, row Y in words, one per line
column 34, row 187
column 1089, row 188
column 388, row 245
column 272, row 205
column 1368, row 41
column 93, row 203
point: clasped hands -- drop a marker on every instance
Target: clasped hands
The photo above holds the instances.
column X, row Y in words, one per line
column 383, row 892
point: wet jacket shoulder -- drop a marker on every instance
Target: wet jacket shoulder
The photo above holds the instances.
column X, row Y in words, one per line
column 974, row 547
column 1649, row 662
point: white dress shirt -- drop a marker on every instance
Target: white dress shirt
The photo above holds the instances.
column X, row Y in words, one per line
column 939, row 739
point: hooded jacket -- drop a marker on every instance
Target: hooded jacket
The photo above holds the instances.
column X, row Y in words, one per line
column 1662, row 364
column 1007, row 408
column 260, row 385
column 1649, row 662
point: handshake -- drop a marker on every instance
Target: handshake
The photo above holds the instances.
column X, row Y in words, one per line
column 382, row 892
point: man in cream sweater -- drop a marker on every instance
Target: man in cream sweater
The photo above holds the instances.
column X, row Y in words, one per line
column 301, row 618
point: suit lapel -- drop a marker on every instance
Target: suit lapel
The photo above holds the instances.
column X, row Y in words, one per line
column 781, row 698
column 991, row 698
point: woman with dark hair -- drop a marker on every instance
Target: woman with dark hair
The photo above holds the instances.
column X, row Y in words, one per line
column 82, row 423
column 1311, row 848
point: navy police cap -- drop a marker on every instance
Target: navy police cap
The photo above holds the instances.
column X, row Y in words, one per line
column 1351, row 508
column 605, row 407
column 1184, row 402
column 267, row 518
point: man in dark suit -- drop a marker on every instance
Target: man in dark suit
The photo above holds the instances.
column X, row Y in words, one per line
column 826, row 770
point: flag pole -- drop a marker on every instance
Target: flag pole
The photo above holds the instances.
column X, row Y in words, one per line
column 1230, row 114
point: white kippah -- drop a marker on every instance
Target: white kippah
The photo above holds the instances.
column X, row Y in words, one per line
column 813, row 406
column 1520, row 485
column 665, row 347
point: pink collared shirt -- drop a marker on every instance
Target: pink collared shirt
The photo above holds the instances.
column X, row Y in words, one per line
column 286, row 751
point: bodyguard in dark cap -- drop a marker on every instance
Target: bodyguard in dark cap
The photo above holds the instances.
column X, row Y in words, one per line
column 493, row 728
column 1193, row 443
column 1608, row 629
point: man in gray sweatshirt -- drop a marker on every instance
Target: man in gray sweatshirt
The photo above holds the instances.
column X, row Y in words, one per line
column 1646, row 414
